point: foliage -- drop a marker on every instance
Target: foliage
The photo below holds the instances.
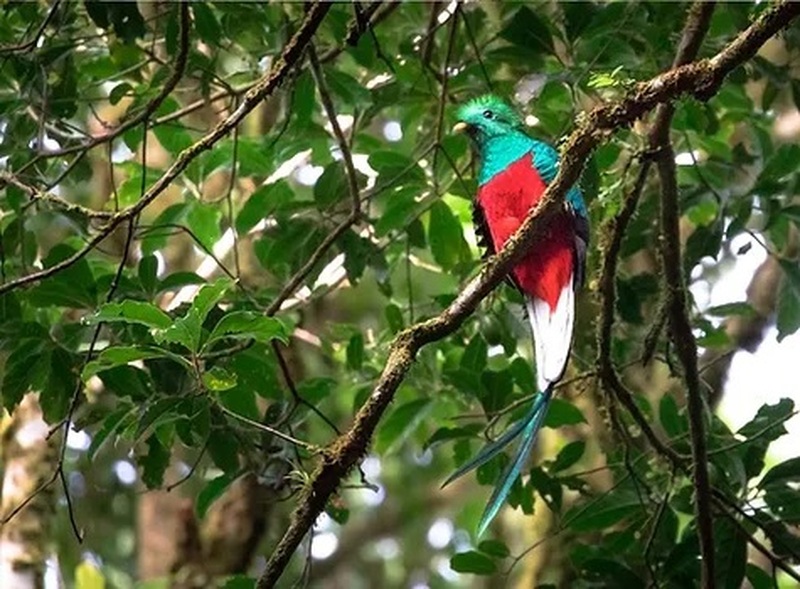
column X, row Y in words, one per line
column 211, row 373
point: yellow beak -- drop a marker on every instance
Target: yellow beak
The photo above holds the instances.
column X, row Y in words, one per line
column 460, row 127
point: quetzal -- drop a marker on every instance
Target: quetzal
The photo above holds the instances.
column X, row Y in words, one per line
column 514, row 171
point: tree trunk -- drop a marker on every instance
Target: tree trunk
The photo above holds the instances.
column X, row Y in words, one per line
column 28, row 459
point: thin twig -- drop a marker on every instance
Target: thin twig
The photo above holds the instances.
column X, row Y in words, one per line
column 377, row 12
column 33, row 41
column 445, row 78
column 229, row 200
column 151, row 107
column 265, row 87
column 265, row 428
column 330, row 111
column 428, row 42
column 37, row 195
column 298, row 398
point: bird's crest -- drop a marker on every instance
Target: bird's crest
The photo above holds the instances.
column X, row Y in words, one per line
column 501, row 110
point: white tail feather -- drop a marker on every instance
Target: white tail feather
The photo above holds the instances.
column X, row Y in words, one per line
column 552, row 334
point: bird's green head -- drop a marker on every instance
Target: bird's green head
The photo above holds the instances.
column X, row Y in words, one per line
column 485, row 117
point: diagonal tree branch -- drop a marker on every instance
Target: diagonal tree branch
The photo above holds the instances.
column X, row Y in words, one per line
column 701, row 79
column 37, row 195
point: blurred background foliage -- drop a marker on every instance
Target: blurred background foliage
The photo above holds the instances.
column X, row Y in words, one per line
column 178, row 337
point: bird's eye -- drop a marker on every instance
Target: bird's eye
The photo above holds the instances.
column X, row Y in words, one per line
column 487, row 114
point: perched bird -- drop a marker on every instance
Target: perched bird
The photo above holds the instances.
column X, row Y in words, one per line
column 514, row 171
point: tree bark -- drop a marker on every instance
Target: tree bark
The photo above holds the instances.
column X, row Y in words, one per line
column 29, row 458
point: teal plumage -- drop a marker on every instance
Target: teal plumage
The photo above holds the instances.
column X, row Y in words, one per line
column 514, row 172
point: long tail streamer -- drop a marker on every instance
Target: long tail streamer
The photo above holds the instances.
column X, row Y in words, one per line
column 527, row 428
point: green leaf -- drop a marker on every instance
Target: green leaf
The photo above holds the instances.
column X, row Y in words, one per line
column 72, row 287
column 111, row 424
column 529, row 31
column 704, row 241
column 785, row 472
column 158, row 232
column 262, row 202
column 129, row 311
column 154, row 463
column 782, row 163
column 549, row 488
column 204, row 221
column 498, row 386
column 10, row 309
column 26, row 369
column 568, row 456
column 742, row 309
column 562, row 412
column 187, row 330
column 359, row 252
column 494, row 548
column 604, row 512
column 606, row 572
column 788, row 315
column 475, row 354
column 159, row 412
column 122, row 355
column 445, row 236
column 57, row 392
column 303, row 98
column 178, row 280
column 206, row 23
column 248, row 325
column 212, row 491
column 125, row 19
column 400, row 208
column 134, row 186
column 758, row 578
column 394, row 317
column 218, row 379
column 444, row 434
column 784, row 502
column 400, row 424
column 671, row 420
column 173, row 137
column 337, row 513
column 393, row 166
column 315, row 390
column 119, row 91
column 730, row 553
column 332, row 186
column 148, row 270
column 223, row 447
column 769, row 420
column 240, row 582
column 347, row 87
column 255, row 370
column 473, row 562
column 355, row 351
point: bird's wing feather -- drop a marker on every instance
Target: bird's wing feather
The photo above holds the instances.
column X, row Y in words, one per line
column 581, row 244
